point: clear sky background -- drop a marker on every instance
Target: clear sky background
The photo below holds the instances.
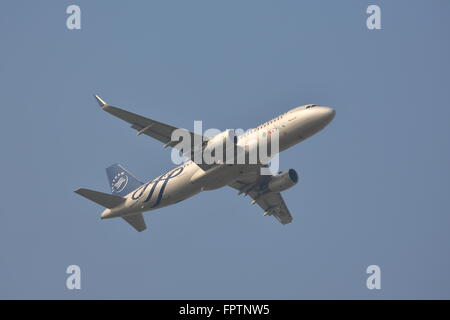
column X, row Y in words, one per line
column 374, row 185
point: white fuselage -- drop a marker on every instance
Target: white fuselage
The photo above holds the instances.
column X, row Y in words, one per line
column 177, row 185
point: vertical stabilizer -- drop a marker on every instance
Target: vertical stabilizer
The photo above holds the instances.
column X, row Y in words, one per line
column 121, row 181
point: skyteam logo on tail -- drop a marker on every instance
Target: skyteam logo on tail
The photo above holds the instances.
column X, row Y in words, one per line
column 119, row 182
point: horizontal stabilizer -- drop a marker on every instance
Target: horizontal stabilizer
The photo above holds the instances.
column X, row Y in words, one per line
column 136, row 221
column 106, row 200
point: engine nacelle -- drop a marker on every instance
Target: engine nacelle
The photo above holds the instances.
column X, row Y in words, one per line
column 219, row 147
column 283, row 181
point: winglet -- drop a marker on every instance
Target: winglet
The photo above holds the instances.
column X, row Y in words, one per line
column 100, row 101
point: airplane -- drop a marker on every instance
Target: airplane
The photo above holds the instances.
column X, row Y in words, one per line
column 130, row 197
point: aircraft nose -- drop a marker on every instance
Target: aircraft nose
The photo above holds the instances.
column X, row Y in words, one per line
column 326, row 113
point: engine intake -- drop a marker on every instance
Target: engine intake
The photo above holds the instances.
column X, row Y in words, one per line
column 283, row 181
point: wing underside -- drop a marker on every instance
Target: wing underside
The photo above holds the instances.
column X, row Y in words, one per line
column 152, row 128
column 149, row 127
column 251, row 182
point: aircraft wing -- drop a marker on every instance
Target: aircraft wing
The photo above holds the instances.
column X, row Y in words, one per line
column 271, row 202
column 152, row 128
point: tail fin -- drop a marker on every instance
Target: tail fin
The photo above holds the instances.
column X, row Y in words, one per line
column 103, row 199
column 122, row 182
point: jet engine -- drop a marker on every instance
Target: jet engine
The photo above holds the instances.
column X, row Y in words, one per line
column 282, row 181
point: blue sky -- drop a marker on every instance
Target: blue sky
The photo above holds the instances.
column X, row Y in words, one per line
column 373, row 185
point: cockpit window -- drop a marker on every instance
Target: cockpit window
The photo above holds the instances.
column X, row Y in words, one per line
column 304, row 107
